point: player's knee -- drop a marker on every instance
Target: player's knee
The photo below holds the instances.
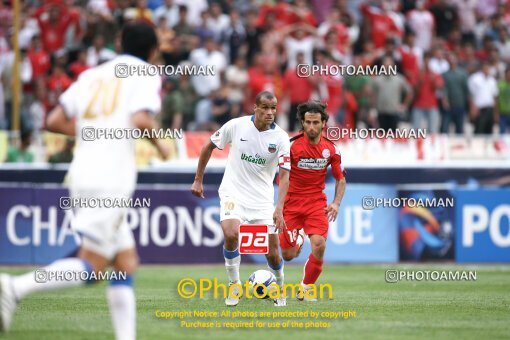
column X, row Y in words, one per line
column 127, row 264
column 94, row 262
column 288, row 254
column 318, row 246
column 231, row 238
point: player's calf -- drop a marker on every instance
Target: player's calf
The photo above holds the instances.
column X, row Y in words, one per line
column 232, row 258
column 121, row 296
column 313, row 266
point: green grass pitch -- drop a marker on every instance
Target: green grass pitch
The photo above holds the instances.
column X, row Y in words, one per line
column 403, row 310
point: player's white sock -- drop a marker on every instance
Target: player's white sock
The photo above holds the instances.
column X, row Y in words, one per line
column 278, row 272
column 54, row 276
column 232, row 264
column 121, row 300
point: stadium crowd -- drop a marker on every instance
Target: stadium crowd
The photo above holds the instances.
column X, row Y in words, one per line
column 452, row 57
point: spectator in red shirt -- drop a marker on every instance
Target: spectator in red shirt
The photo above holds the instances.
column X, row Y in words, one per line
column 54, row 21
column 425, row 102
column 411, row 57
column 382, row 24
column 297, row 89
column 79, row 65
column 333, row 24
column 263, row 76
column 39, row 58
column 281, row 12
column 57, row 83
column 301, row 13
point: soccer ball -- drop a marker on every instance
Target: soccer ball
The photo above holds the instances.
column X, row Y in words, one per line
column 260, row 279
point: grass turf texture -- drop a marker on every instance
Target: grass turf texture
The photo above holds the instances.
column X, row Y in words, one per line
column 400, row 310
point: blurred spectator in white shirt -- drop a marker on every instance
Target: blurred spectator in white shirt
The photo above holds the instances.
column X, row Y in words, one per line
column 195, row 9
column 170, row 11
column 97, row 53
column 421, row 22
column 206, row 56
column 217, row 21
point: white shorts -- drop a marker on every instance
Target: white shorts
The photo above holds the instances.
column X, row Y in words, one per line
column 102, row 230
column 230, row 209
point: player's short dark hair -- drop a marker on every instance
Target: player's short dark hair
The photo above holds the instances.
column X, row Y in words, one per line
column 264, row 94
column 312, row 106
column 138, row 40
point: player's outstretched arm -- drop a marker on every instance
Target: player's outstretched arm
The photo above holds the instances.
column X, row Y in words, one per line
column 144, row 121
column 332, row 209
column 283, row 187
column 197, row 188
column 59, row 122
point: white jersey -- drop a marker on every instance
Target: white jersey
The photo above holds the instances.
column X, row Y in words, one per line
column 101, row 101
column 252, row 161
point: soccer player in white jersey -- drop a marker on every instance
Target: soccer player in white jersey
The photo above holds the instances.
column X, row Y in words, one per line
column 257, row 147
column 101, row 168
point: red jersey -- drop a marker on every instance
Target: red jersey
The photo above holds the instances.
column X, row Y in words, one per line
column 382, row 25
column 309, row 164
column 299, row 88
column 426, row 93
column 40, row 62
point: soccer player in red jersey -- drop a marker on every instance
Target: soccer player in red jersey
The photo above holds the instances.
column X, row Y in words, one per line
column 305, row 206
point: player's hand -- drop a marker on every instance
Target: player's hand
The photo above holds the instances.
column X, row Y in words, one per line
column 164, row 151
column 332, row 211
column 473, row 113
column 197, row 189
column 278, row 220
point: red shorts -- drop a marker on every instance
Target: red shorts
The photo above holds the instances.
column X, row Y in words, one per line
column 304, row 212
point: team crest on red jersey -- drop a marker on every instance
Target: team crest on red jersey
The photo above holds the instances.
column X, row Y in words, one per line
column 326, row 153
column 271, row 148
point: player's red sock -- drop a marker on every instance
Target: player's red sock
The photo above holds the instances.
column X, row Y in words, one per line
column 313, row 269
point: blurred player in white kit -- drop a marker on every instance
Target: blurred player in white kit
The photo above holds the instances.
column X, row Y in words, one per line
column 101, row 168
column 258, row 147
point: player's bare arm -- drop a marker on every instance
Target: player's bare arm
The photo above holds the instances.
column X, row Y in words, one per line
column 332, row 209
column 283, row 187
column 197, row 188
column 144, row 121
column 58, row 122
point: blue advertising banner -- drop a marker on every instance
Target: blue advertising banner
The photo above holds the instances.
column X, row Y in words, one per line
column 33, row 229
column 483, row 225
column 180, row 228
column 176, row 228
column 360, row 234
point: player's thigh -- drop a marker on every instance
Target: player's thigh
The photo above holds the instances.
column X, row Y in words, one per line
column 231, row 215
column 104, row 233
column 315, row 222
column 97, row 228
column 262, row 216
